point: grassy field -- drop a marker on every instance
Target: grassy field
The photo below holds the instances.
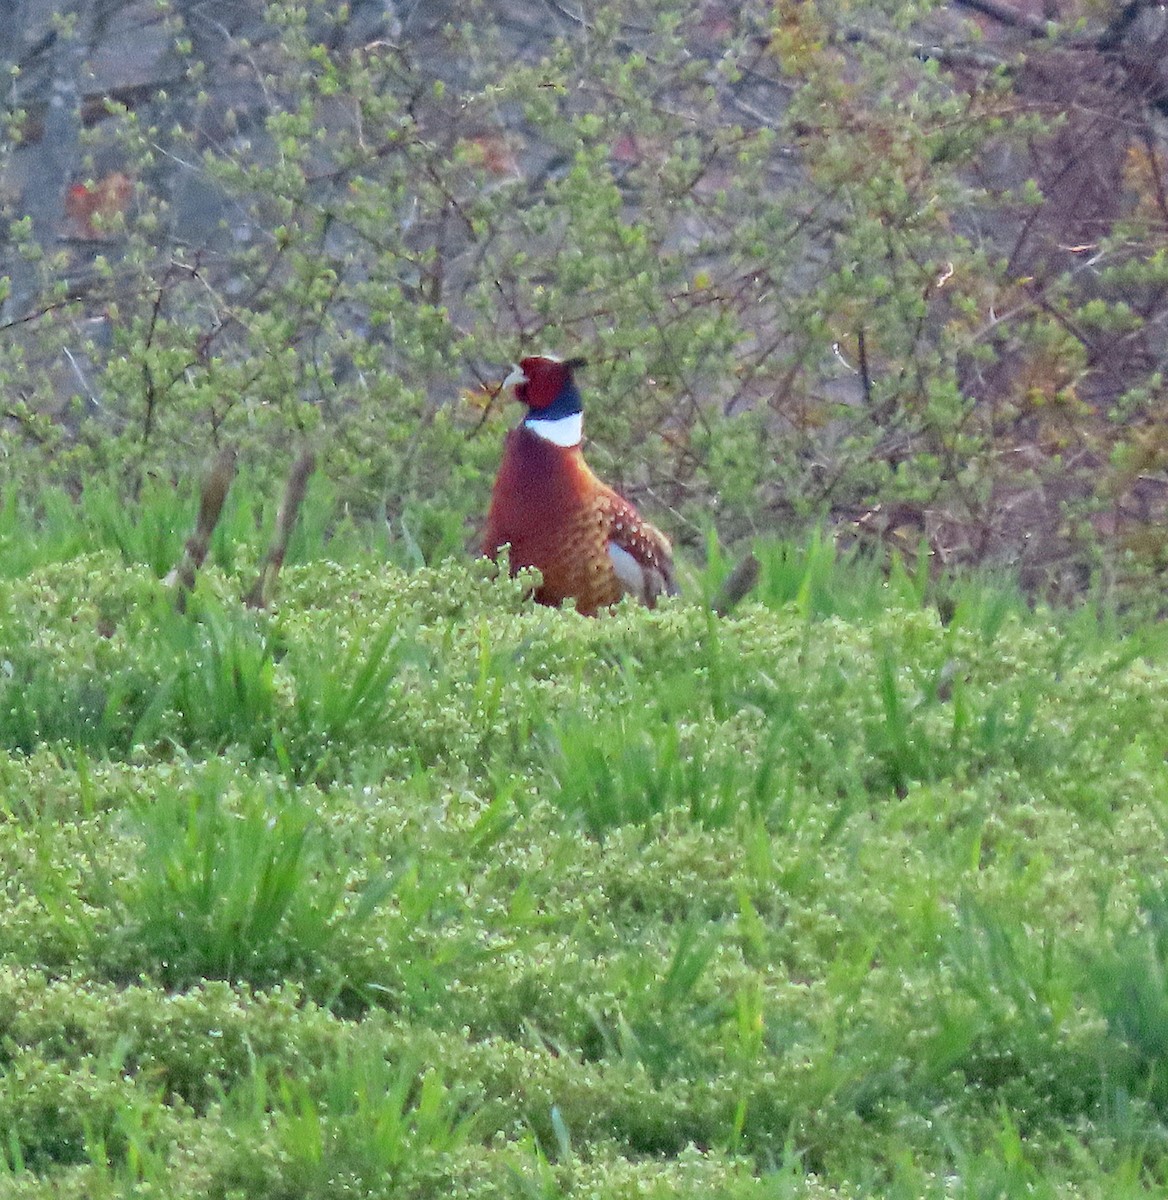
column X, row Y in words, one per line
column 409, row 888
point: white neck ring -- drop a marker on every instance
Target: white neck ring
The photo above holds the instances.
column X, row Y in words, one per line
column 565, row 431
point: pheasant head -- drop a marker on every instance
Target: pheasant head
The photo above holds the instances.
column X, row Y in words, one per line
column 547, row 386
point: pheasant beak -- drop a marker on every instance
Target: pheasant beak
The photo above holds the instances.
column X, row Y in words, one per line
column 514, row 379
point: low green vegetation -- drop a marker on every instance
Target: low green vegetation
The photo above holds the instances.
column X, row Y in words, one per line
column 410, row 888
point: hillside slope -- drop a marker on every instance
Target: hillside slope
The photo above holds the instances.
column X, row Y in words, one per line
column 412, row 889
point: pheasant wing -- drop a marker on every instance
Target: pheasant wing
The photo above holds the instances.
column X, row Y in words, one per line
column 641, row 556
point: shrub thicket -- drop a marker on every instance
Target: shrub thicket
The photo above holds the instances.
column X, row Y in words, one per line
column 822, row 260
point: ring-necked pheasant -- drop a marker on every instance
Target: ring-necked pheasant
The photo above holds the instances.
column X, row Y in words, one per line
column 588, row 542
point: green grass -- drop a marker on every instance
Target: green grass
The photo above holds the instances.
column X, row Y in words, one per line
column 55, row 527
column 409, row 888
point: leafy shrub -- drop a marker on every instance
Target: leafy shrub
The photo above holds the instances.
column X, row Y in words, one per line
column 807, row 283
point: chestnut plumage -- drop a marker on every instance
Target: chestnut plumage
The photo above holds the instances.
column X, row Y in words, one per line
column 588, row 543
